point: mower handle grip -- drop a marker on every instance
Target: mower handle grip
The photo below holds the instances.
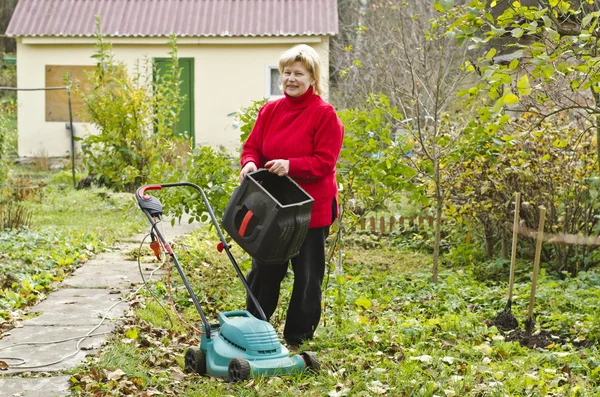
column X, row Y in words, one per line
column 224, row 316
column 141, row 190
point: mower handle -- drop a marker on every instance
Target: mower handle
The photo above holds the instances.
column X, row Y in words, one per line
column 140, row 196
column 141, row 190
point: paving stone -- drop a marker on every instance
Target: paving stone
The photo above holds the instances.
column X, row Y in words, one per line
column 42, row 346
column 111, row 271
column 74, row 306
column 34, row 387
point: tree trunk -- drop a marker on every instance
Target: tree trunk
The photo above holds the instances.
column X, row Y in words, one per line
column 489, row 242
column 505, row 243
column 438, row 222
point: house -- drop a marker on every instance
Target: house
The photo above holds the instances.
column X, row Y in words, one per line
column 228, row 50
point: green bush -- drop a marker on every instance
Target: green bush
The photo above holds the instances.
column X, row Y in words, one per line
column 136, row 116
column 8, row 136
column 373, row 165
column 552, row 164
column 211, row 169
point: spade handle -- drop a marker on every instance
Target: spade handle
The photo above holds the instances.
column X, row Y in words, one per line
column 513, row 256
column 536, row 261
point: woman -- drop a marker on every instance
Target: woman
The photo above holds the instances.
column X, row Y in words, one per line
column 299, row 135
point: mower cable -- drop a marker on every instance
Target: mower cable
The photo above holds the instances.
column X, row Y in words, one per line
column 173, row 303
column 81, row 338
column 144, row 278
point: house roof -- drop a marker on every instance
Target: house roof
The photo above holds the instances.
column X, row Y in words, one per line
column 191, row 18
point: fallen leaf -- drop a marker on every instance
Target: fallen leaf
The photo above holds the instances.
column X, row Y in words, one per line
column 114, row 375
column 3, row 366
column 377, row 387
column 448, row 360
column 425, row 358
column 177, row 374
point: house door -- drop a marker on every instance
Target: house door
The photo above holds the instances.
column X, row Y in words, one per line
column 185, row 125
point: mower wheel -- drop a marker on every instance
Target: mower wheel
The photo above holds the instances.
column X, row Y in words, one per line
column 195, row 361
column 239, row 369
column 311, row 360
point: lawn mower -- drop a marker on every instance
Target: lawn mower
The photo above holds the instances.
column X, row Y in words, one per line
column 240, row 346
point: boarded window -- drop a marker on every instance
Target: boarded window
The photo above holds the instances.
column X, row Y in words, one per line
column 57, row 107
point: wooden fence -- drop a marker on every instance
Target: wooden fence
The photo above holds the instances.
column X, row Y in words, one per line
column 383, row 225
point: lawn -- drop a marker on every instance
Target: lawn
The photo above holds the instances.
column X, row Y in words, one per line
column 386, row 330
column 67, row 228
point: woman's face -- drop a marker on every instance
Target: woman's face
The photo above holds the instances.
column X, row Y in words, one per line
column 296, row 79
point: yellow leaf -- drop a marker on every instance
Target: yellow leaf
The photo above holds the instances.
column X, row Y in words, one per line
column 510, row 99
column 132, row 333
column 523, row 86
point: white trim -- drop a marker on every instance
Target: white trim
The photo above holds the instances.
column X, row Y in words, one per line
column 180, row 40
column 268, row 69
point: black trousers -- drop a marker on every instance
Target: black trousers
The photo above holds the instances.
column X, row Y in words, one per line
column 304, row 311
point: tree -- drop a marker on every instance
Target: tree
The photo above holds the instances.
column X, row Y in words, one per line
column 537, row 59
column 557, row 72
column 416, row 65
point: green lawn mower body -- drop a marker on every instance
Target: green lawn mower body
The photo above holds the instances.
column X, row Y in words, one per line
column 241, row 346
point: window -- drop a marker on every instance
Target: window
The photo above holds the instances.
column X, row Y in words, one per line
column 273, row 88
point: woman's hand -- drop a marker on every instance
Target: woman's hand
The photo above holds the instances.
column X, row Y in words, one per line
column 248, row 168
column 279, row 167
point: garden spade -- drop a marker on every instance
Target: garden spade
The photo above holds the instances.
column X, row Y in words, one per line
column 536, row 267
column 505, row 318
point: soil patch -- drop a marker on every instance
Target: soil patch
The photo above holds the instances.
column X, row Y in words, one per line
column 539, row 339
column 505, row 321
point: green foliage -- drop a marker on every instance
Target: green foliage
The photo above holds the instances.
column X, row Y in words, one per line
column 553, row 67
column 245, row 118
column 136, row 116
column 211, row 169
column 374, row 164
column 551, row 164
column 8, row 135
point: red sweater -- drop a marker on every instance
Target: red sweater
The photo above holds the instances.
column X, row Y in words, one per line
column 306, row 131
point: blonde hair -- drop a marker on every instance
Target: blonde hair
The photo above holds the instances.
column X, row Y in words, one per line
column 309, row 57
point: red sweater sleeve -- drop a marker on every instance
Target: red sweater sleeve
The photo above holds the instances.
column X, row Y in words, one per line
column 327, row 144
column 251, row 150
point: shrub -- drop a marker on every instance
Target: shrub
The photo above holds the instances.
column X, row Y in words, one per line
column 551, row 164
column 211, row 169
column 14, row 215
column 136, row 116
column 8, row 136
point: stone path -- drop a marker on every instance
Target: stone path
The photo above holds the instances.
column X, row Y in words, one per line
column 71, row 312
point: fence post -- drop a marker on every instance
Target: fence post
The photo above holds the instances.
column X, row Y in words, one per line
column 372, row 222
column 392, row 222
column 382, row 225
column 363, row 224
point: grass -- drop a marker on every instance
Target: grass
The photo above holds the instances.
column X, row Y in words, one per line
column 387, row 330
column 68, row 227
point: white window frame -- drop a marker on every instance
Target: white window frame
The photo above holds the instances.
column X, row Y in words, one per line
column 268, row 94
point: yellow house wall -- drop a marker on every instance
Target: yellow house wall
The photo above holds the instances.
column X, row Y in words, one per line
column 229, row 74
